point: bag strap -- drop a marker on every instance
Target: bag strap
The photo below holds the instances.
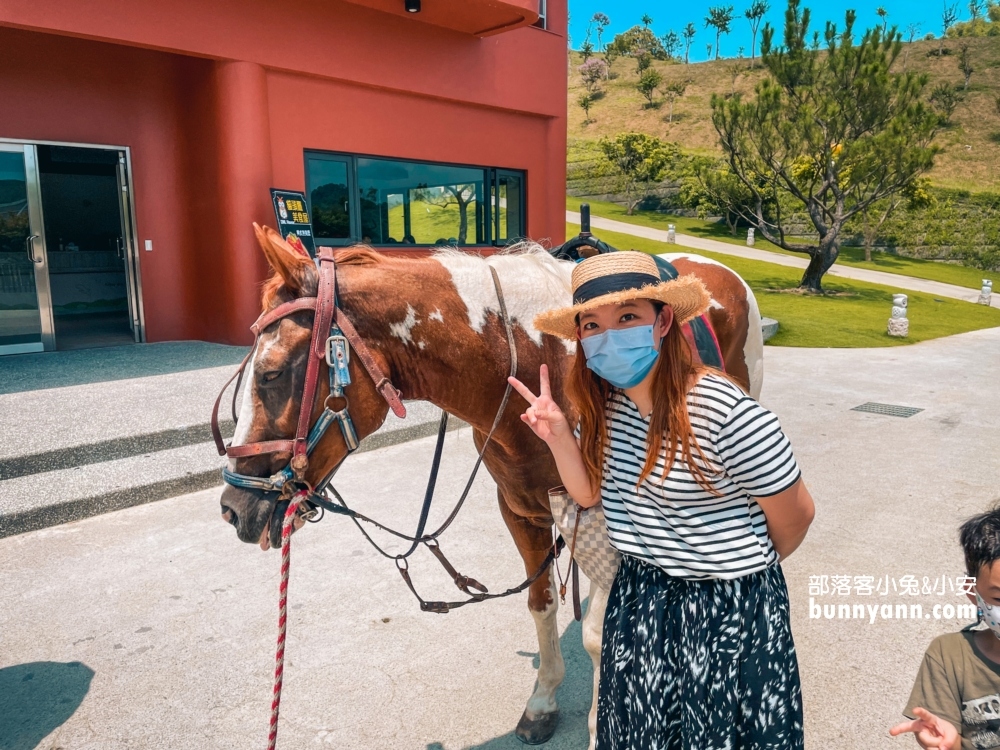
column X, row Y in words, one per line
column 573, row 571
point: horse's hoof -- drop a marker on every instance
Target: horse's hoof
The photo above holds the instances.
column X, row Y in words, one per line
column 537, row 731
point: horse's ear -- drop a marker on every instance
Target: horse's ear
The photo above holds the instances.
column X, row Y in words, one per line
column 296, row 269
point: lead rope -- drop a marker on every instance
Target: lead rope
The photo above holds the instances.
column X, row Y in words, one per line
column 279, row 655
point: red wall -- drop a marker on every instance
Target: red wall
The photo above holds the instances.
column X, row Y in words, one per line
column 218, row 100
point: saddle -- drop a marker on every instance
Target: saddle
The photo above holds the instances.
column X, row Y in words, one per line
column 699, row 332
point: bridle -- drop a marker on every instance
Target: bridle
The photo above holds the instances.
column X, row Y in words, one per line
column 333, row 338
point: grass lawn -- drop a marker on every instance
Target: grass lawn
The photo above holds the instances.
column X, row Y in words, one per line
column 849, row 256
column 856, row 319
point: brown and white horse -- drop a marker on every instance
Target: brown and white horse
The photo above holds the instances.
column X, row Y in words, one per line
column 433, row 324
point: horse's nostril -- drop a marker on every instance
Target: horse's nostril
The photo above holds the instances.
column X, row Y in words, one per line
column 229, row 516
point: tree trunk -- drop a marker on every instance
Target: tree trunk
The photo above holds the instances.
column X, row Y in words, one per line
column 868, row 253
column 463, row 222
column 819, row 264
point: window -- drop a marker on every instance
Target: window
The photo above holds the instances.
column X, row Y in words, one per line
column 389, row 202
column 540, row 23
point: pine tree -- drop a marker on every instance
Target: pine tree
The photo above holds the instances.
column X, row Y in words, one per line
column 827, row 134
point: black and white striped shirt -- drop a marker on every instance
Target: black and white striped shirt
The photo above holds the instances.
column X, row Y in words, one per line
column 677, row 525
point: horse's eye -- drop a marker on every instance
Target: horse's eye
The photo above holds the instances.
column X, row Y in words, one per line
column 272, row 375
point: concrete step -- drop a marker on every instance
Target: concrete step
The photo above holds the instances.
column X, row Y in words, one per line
column 92, row 431
column 69, row 491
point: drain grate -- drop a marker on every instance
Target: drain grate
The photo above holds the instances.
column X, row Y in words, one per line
column 891, row 410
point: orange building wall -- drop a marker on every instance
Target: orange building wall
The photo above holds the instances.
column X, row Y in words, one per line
column 217, row 102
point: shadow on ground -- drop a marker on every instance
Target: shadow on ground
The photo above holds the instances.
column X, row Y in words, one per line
column 29, row 372
column 574, row 700
column 37, row 698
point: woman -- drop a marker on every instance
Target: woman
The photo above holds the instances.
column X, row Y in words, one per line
column 703, row 498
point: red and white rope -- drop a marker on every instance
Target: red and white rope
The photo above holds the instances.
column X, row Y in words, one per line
column 279, row 656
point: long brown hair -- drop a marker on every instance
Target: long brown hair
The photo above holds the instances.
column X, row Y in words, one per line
column 669, row 423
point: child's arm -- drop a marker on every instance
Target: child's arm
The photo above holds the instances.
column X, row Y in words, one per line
column 930, row 731
column 935, row 701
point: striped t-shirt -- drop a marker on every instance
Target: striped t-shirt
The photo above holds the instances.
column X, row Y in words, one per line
column 677, row 525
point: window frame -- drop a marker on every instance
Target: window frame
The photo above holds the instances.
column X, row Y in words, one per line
column 491, row 177
column 353, row 200
column 542, row 22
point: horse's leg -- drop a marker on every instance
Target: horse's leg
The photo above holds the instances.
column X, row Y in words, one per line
column 538, row 722
column 593, row 629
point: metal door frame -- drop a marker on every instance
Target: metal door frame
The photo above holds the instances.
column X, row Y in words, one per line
column 133, row 275
column 36, row 242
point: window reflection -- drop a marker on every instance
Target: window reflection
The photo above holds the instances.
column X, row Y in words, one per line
column 420, row 204
column 329, row 198
column 393, row 202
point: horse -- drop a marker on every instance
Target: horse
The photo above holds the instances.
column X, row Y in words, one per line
column 433, row 326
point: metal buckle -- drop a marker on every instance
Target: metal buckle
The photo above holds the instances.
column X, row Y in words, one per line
column 338, row 356
column 347, row 429
column 335, row 353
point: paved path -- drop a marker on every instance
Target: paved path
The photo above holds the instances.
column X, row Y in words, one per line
column 898, row 281
column 152, row 627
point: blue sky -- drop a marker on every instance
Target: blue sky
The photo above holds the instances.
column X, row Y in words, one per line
column 676, row 15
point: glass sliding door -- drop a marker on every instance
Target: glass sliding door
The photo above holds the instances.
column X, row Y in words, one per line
column 127, row 248
column 508, row 207
column 331, row 198
column 25, row 301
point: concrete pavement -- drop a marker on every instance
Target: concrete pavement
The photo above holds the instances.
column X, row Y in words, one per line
column 153, row 627
column 847, row 272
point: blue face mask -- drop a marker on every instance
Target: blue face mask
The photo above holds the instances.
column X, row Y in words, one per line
column 622, row 356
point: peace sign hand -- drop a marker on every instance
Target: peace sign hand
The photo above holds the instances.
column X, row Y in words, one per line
column 930, row 731
column 543, row 415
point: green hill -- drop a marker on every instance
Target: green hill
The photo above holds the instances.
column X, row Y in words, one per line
column 971, row 156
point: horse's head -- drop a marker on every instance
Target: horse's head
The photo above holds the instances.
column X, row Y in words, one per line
column 272, row 392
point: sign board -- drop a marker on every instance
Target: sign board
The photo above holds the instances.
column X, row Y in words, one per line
column 294, row 222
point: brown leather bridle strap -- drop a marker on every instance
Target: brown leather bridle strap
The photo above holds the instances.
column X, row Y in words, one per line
column 389, row 392
column 261, row 448
column 325, row 308
column 325, row 304
column 281, row 311
column 220, row 445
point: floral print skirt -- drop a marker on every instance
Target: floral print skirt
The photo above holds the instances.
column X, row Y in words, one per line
column 698, row 665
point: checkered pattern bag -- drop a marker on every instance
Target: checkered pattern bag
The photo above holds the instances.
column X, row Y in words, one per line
column 594, row 553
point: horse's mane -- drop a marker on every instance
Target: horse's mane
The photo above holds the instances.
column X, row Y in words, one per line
column 358, row 255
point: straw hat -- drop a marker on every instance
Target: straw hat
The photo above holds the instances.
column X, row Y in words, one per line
column 616, row 277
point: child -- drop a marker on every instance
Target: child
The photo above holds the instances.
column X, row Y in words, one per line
column 955, row 702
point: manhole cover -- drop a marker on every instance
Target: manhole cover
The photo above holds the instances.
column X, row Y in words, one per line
column 891, row 410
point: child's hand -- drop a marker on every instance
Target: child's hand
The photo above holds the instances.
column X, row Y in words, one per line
column 543, row 415
column 931, row 731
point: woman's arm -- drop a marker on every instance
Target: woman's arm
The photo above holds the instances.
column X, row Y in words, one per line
column 788, row 515
column 572, row 471
column 547, row 421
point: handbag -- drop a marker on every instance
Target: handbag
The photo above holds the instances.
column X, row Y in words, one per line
column 589, row 546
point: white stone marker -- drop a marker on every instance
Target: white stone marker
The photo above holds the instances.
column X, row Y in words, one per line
column 671, row 234
column 899, row 324
column 750, row 237
column 985, row 292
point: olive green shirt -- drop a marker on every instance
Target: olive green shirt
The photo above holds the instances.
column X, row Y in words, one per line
column 959, row 683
